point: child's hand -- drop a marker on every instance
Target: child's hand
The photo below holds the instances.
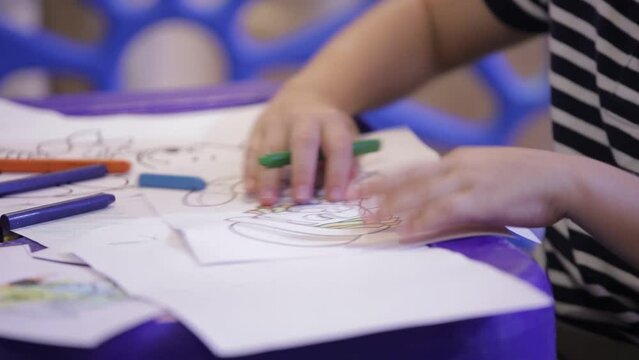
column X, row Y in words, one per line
column 302, row 124
column 475, row 186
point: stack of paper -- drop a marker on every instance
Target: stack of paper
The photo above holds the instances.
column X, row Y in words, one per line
column 244, row 309
column 245, row 279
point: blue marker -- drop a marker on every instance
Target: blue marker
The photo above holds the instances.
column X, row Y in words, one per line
column 55, row 211
column 171, row 182
column 52, row 179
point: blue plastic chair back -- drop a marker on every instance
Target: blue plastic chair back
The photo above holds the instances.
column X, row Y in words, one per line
column 516, row 99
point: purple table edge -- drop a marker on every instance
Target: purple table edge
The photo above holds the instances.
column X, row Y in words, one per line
column 522, row 335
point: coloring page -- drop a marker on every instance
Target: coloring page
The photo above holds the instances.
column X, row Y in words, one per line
column 51, row 303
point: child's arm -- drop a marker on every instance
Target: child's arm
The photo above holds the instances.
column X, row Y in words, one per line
column 384, row 55
column 605, row 203
column 513, row 186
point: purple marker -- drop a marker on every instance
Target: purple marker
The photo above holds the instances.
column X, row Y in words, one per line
column 55, row 211
column 52, row 179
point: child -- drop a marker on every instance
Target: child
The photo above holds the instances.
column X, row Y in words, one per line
column 587, row 193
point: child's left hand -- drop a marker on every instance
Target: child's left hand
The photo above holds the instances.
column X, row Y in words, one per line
column 475, row 186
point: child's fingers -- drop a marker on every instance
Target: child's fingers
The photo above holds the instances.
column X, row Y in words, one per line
column 251, row 165
column 305, row 141
column 269, row 179
column 354, row 170
column 337, row 147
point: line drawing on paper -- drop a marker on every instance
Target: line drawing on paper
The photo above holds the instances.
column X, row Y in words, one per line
column 92, row 143
column 316, row 224
column 89, row 143
column 198, row 153
column 218, row 192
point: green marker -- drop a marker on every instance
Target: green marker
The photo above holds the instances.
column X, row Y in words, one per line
column 283, row 158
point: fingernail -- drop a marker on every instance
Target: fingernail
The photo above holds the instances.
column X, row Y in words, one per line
column 335, row 193
column 268, row 197
column 302, row 194
column 354, row 173
column 249, row 185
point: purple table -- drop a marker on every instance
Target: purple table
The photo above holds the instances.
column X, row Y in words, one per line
column 524, row 335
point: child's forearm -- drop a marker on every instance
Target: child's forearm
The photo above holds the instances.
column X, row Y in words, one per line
column 605, row 203
column 396, row 47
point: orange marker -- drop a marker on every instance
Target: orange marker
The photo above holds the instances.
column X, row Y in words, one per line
column 49, row 165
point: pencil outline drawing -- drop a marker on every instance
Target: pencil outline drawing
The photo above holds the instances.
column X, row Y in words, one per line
column 316, row 224
column 92, row 143
column 218, row 192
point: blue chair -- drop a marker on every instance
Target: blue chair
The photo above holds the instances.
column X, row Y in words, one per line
column 516, row 99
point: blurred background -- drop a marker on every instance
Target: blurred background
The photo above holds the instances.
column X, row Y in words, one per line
column 175, row 54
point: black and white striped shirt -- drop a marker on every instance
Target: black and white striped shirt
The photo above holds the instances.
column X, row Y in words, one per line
column 594, row 75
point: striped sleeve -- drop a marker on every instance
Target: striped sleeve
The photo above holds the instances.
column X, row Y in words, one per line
column 526, row 15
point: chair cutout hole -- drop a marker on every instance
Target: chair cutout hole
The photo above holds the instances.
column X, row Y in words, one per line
column 70, row 83
column 459, row 93
column 268, row 20
column 25, row 83
column 173, row 54
column 21, row 16
column 74, row 19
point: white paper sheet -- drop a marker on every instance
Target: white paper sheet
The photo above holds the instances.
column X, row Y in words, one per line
column 204, row 144
column 129, row 220
column 305, row 231
column 196, row 143
column 65, row 305
column 534, row 234
column 250, row 308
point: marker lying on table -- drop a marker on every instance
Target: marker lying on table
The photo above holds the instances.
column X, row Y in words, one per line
column 49, row 165
column 52, row 179
column 166, row 181
column 40, row 214
column 283, row 158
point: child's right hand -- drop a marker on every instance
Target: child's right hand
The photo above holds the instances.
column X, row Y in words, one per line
column 302, row 123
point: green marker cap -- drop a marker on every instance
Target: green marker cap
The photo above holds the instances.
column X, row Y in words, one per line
column 283, row 158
